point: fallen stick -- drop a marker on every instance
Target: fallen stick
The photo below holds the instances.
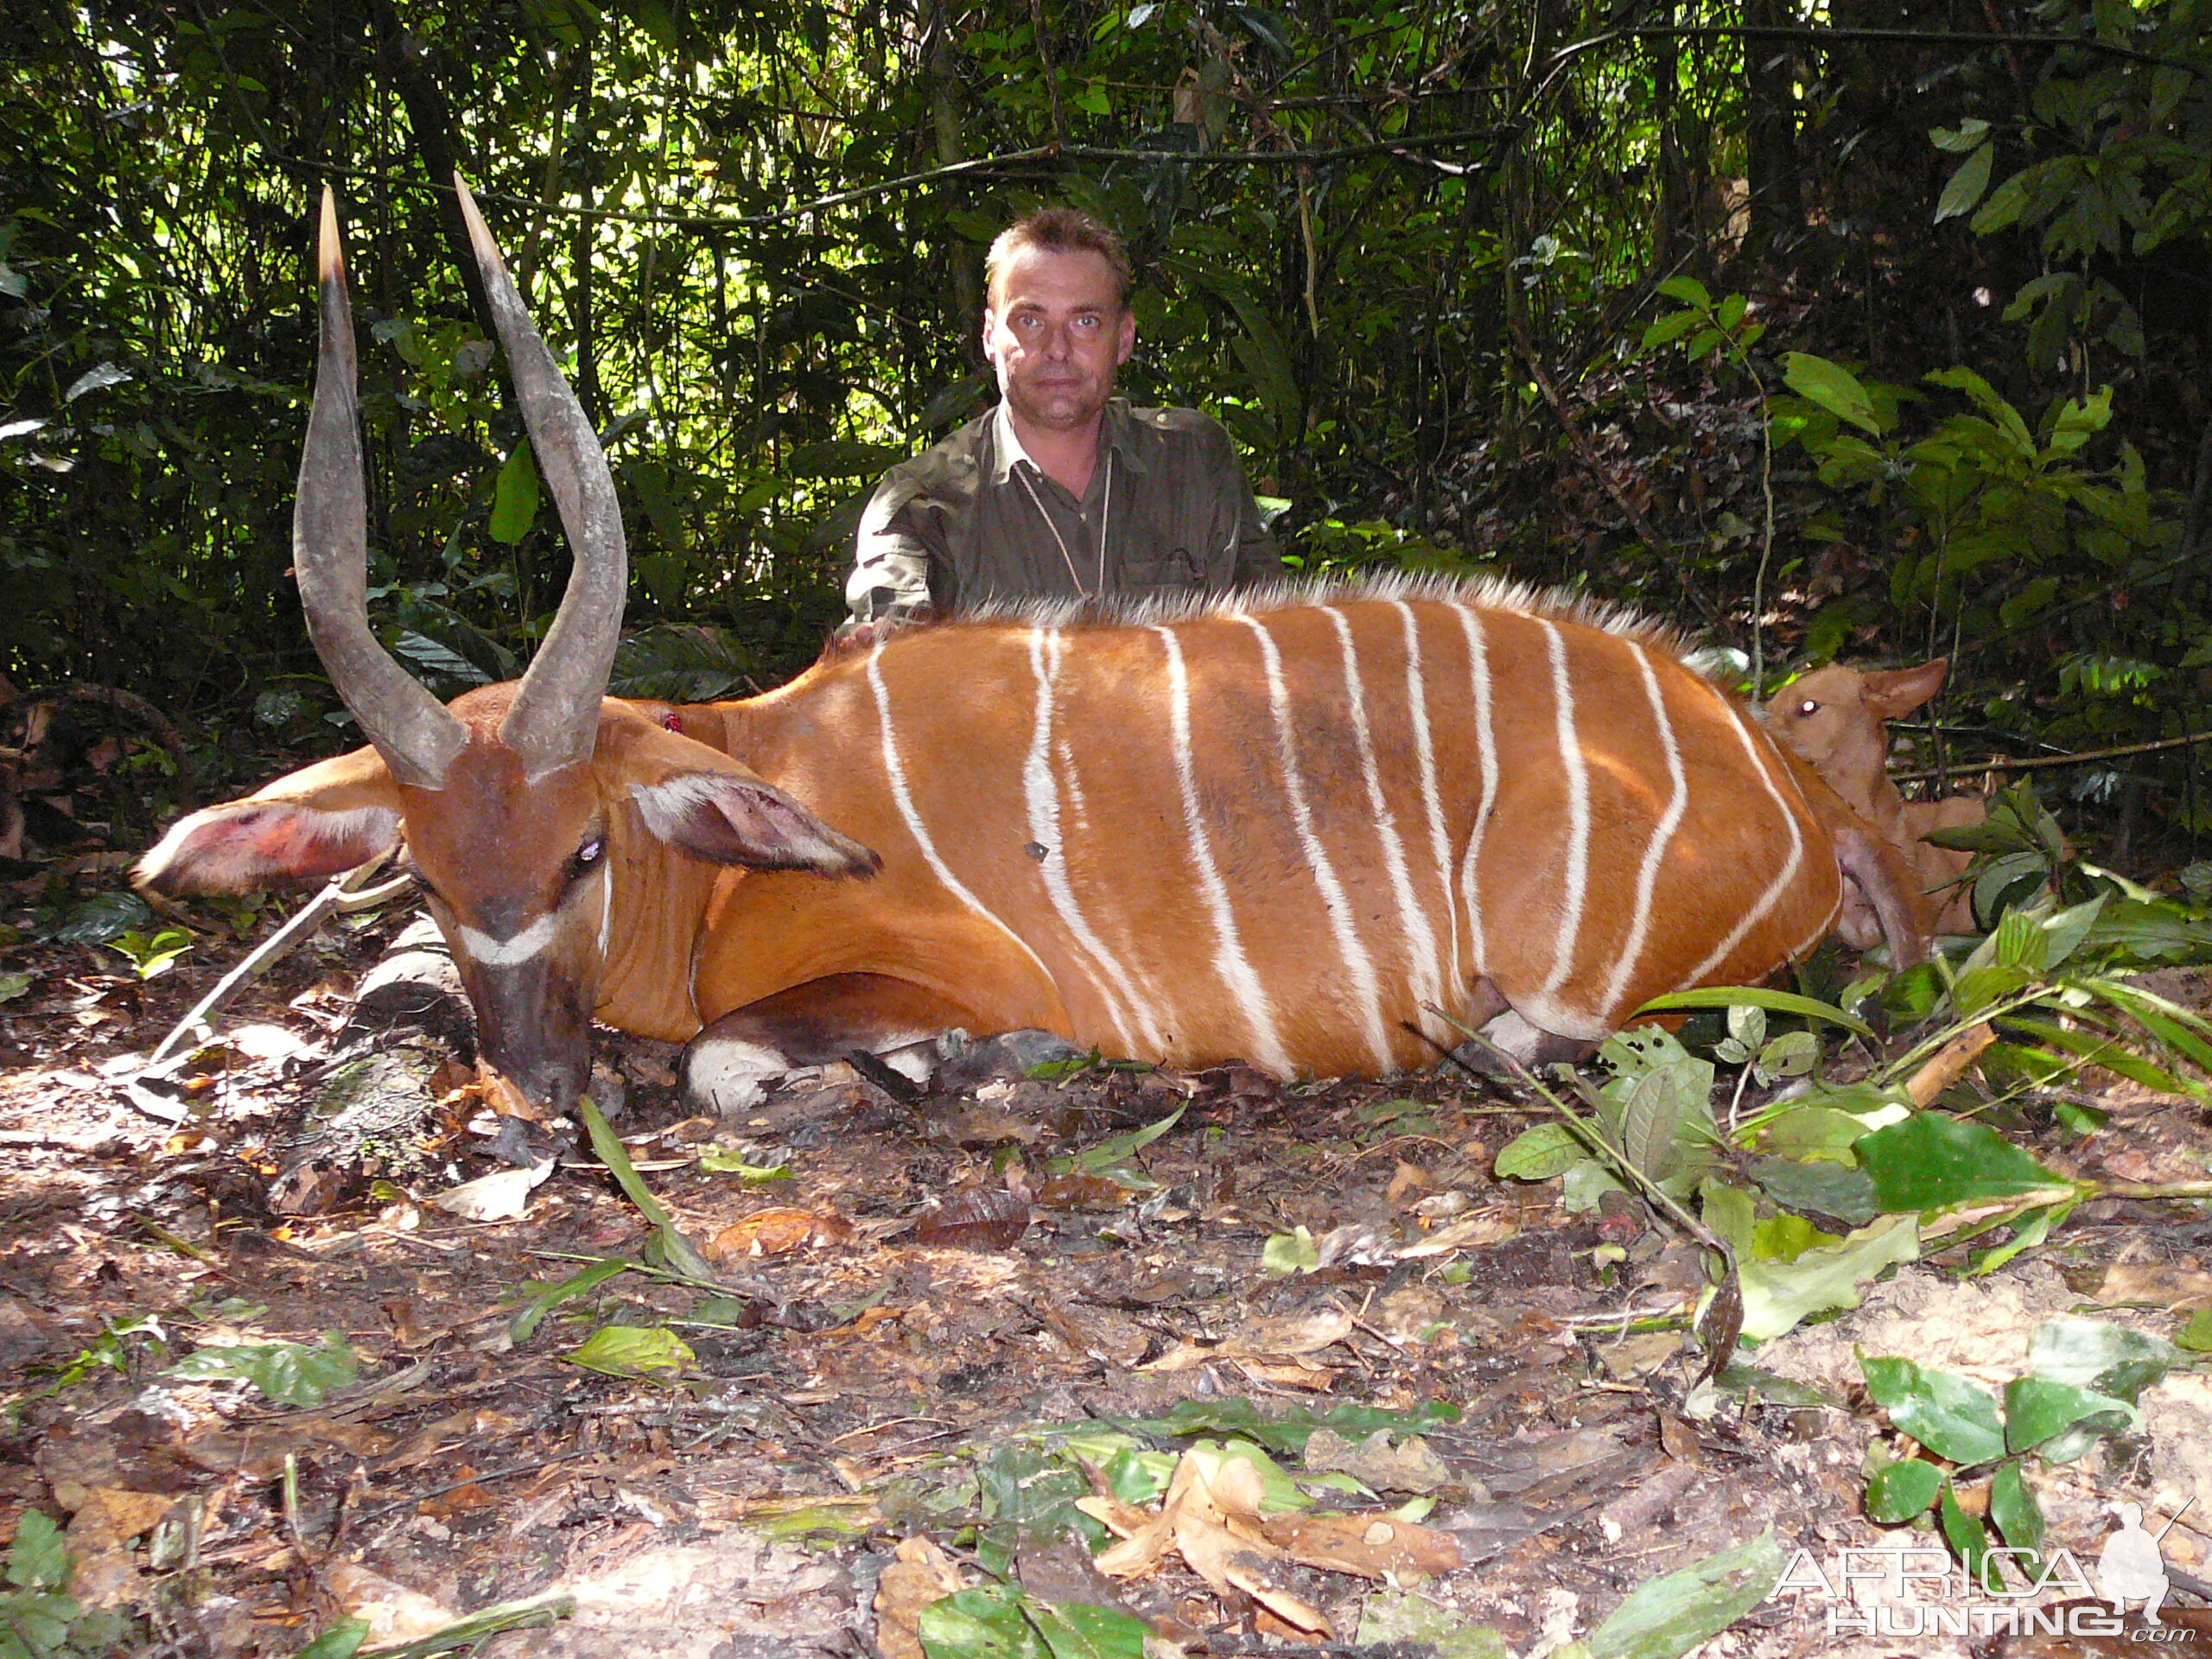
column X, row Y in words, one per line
column 343, row 895
column 1947, row 1065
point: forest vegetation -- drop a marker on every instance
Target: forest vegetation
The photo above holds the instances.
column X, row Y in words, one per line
column 1875, row 329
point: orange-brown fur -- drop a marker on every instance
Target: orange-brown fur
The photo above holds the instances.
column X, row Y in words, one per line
column 1835, row 718
column 691, row 943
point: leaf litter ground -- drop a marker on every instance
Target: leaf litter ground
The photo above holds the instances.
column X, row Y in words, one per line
column 1297, row 1369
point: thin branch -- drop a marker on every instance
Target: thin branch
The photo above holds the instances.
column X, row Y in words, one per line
column 1012, row 161
column 1820, row 37
column 2000, row 763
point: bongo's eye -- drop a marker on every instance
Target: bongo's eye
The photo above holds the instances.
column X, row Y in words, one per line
column 1807, row 707
column 589, row 854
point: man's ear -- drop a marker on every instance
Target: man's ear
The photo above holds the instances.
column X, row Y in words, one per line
column 1128, row 332
column 1892, row 694
column 729, row 816
column 311, row 824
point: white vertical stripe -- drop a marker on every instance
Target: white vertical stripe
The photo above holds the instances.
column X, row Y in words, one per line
column 605, row 897
column 1655, row 851
column 1486, row 755
column 895, row 771
column 1230, row 960
column 1432, row 800
column 1040, row 794
column 1342, row 923
column 1789, row 874
column 1577, row 816
column 1413, row 920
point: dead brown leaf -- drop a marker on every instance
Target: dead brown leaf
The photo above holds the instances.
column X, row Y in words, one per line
column 921, row 1573
column 1485, row 1227
column 777, row 1232
column 974, row 1221
column 2154, row 1284
column 1410, row 1180
column 1282, row 1336
column 1082, row 1192
column 1365, row 1546
column 110, row 1516
column 1374, row 1462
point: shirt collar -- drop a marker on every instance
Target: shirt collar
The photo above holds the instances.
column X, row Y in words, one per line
column 1117, row 431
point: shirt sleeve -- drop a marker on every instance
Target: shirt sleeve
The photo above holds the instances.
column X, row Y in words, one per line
column 890, row 579
column 1239, row 529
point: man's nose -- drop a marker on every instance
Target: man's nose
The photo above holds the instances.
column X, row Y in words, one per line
column 1058, row 341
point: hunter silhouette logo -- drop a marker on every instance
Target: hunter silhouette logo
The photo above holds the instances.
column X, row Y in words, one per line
column 2130, row 1567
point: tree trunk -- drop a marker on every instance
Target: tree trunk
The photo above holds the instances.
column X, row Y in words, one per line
column 581, row 135
column 406, row 60
column 1777, row 214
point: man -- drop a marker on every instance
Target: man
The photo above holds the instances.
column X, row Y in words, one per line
column 1063, row 491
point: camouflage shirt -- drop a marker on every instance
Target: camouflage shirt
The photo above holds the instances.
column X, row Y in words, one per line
column 974, row 520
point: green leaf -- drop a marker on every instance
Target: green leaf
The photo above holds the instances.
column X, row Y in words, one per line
column 341, row 1641
column 678, row 1251
column 1285, row 1254
column 540, row 1300
column 38, row 1559
column 1821, row 1188
column 1777, row 1294
column 1953, row 1418
column 728, row 1161
column 1114, row 1149
column 1671, row 1615
column 1932, row 1161
column 514, row 498
column 2108, row 1359
column 1790, row 1055
column 1964, row 189
column 1077, row 1630
column 1541, row 1154
column 2038, row 1410
column 2012, row 1506
column 1970, row 134
column 12, row 985
column 1687, row 290
column 635, row 1350
column 1834, row 387
column 984, row 1622
column 289, row 1373
column 1424, row 1626
column 2004, row 207
column 1757, row 997
column 1900, row 1490
column 104, row 916
column 2195, row 1334
column 1964, row 1533
column 1669, row 329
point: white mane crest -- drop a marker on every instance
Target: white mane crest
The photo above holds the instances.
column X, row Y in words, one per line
column 1488, row 592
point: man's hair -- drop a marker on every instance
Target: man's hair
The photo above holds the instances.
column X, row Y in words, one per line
column 1058, row 230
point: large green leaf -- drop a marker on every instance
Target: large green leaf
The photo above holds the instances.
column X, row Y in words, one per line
column 1932, row 1161
column 1834, row 387
column 514, row 498
column 1964, row 187
column 1953, row 1418
column 1671, row 1615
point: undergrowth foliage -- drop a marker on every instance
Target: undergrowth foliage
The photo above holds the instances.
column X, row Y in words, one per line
column 1407, row 253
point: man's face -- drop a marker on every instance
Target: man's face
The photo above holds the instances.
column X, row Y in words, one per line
column 1057, row 333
